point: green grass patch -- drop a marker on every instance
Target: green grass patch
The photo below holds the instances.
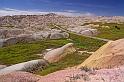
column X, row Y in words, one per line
column 22, row 52
column 85, row 43
column 26, row 51
column 111, row 33
column 71, row 60
column 68, row 61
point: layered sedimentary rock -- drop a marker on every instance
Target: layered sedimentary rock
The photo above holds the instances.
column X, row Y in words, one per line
column 81, row 75
column 2, row 66
column 56, row 54
column 7, row 32
column 19, row 77
column 29, row 66
column 84, row 30
column 68, row 75
column 108, row 56
column 59, row 35
column 33, row 36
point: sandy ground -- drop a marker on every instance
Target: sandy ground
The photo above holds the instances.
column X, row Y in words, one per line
column 108, row 56
column 76, row 75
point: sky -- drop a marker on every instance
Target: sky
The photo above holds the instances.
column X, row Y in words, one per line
column 64, row 7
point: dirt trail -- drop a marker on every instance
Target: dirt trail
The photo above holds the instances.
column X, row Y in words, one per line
column 61, row 28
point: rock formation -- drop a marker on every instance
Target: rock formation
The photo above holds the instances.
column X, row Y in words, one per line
column 68, row 75
column 59, row 35
column 19, row 77
column 50, row 57
column 108, row 56
column 56, row 54
column 80, row 75
column 34, row 36
column 84, row 30
column 2, row 66
column 29, row 66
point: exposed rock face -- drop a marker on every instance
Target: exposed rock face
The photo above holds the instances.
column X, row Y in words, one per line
column 19, row 77
column 59, row 35
column 29, row 66
column 56, row 54
column 77, row 75
column 2, row 42
column 2, row 66
column 42, row 34
column 17, row 39
column 25, row 38
column 88, row 31
column 6, row 32
column 40, row 22
column 29, row 36
column 10, row 41
column 108, row 56
column 68, row 75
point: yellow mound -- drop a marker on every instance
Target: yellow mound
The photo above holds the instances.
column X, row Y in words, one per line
column 108, row 56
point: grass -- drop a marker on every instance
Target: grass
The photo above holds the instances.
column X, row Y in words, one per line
column 68, row 61
column 8, row 26
column 86, row 43
column 112, row 33
column 22, row 52
column 109, row 33
column 74, row 59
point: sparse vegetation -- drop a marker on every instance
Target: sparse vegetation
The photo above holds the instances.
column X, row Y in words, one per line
column 22, row 52
column 68, row 61
column 8, row 26
column 110, row 33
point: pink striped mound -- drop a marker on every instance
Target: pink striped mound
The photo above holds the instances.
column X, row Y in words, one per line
column 19, row 77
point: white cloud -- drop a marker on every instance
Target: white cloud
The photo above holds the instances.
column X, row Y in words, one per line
column 70, row 11
column 9, row 11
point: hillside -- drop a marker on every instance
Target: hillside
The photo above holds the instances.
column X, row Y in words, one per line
column 44, row 44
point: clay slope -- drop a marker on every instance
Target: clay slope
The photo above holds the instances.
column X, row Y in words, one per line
column 68, row 75
column 108, row 56
column 19, row 77
column 77, row 75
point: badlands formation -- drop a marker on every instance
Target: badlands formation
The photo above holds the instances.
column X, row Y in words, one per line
column 33, row 65
column 109, row 55
column 28, row 28
column 105, row 65
column 108, row 58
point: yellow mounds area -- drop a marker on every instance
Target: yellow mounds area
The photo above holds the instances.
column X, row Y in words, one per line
column 108, row 56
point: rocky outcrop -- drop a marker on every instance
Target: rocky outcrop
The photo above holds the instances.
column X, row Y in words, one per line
column 59, row 35
column 7, row 32
column 17, row 39
column 57, row 54
column 33, row 36
column 50, row 57
column 40, row 22
column 19, row 77
column 10, row 41
column 2, row 66
column 25, row 38
column 108, row 56
column 68, row 75
column 88, row 31
column 88, row 75
column 29, row 66
column 2, row 42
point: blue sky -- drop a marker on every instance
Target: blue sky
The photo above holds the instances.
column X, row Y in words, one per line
column 68, row 7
